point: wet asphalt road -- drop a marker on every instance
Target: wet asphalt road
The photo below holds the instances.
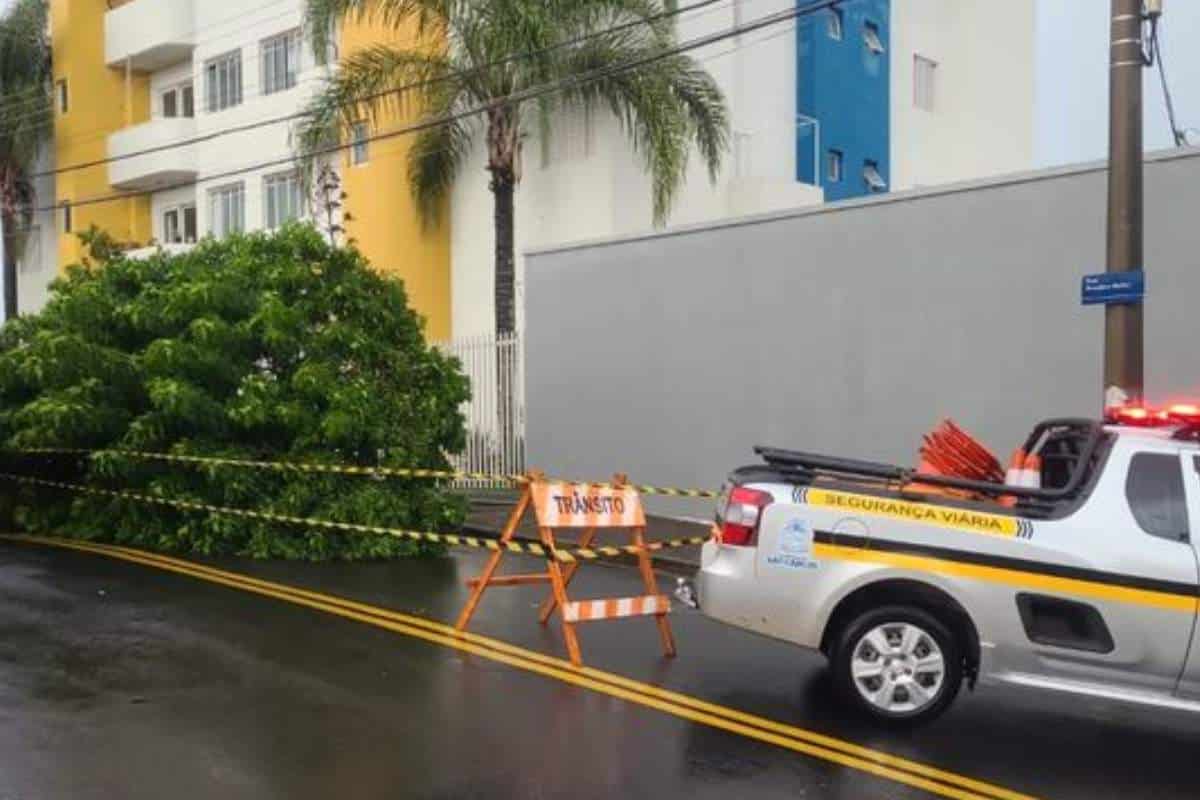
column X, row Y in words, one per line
column 122, row 681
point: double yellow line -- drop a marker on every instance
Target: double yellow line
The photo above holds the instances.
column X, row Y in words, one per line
column 901, row 770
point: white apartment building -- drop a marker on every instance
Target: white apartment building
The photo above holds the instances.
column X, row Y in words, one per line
column 922, row 91
column 212, row 68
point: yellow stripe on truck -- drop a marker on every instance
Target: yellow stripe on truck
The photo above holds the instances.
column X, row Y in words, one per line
column 1010, row 577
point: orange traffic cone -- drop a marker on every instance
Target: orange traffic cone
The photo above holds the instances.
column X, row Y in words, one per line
column 1031, row 473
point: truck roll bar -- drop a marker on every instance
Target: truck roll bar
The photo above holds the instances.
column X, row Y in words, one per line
column 841, row 467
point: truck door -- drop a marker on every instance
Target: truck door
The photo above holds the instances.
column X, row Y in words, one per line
column 1133, row 634
column 1189, row 684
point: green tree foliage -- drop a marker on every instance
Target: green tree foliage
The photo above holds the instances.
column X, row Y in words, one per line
column 271, row 347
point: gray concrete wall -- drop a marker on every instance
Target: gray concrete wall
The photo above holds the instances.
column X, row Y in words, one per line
column 850, row 329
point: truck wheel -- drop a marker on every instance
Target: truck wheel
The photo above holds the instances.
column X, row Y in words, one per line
column 897, row 664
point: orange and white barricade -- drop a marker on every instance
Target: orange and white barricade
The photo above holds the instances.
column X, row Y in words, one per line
column 589, row 508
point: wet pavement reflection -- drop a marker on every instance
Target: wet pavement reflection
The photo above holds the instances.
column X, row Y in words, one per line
column 117, row 680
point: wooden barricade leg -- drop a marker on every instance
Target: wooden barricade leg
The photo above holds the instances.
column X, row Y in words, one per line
column 647, row 570
column 549, row 604
column 558, row 587
column 479, row 585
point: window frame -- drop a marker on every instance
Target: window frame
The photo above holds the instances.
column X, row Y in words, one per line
column 62, row 96
column 835, row 24
column 271, row 183
column 219, row 193
column 873, row 38
column 928, row 67
column 180, row 211
column 1178, row 500
column 835, row 165
column 291, row 43
column 360, row 151
column 579, row 129
column 68, row 217
column 215, row 81
column 879, row 186
column 178, row 93
column 166, row 228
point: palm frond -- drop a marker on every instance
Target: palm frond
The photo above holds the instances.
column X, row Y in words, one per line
column 663, row 107
column 323, row 16
column 434, row 162
column 26, row 105
column 490, row 51
column 369, row 84
column 24, row 49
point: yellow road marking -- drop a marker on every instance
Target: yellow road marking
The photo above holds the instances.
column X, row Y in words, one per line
column 1011, row 577
column 900, row 770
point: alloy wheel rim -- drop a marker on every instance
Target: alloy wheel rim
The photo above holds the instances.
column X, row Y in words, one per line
column 898, row 668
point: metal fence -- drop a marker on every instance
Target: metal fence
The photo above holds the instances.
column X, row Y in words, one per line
column 496, row 411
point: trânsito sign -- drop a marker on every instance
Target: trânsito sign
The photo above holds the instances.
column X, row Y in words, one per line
column 1114, row 287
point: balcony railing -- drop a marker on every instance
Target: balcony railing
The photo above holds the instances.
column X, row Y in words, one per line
column 149, row 34
column 134, row 168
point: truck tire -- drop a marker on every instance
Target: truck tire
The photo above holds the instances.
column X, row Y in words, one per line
column 898, row 665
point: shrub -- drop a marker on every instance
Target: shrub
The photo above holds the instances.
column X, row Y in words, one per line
column 271, row 347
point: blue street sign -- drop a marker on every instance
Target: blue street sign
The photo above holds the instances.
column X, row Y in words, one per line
column 1114, row 287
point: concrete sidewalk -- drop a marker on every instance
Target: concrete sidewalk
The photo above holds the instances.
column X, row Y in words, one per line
column 488, row 515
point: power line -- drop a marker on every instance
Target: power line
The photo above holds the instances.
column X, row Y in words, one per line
column 517, row 97
column 387, row 157
column 1180, row 135
column 248, row 58
column 301, row 114
column 240, row 19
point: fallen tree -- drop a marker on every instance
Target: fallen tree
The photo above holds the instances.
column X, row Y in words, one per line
column 273, row 347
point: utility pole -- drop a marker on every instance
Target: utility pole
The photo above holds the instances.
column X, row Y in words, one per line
column 1123, row 334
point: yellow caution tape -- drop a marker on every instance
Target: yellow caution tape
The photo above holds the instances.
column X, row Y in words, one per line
column 343, row 469
column 568, row 556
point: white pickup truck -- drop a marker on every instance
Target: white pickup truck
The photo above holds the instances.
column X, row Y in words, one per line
column 1088, row 584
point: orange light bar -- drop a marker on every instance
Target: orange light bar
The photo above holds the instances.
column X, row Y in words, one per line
column 1142, row 417
column 1184, row 412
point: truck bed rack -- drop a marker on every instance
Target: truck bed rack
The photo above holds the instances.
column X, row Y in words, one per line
column 808, row 467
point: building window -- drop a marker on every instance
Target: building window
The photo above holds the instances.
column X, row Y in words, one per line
column 871, row 38
column 68, row 219
column 227, row 210
column 283, row 199
column 834, row 23
column 924, row 82
column 358, row 143
column 223, row 81
column 571, row 137
column 873, row 178
column 179, row 225
column 280, row 62
column 62, row 95
column 179, row 101
column 833, row 166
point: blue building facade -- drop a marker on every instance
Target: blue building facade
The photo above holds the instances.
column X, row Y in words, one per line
column 843, row 98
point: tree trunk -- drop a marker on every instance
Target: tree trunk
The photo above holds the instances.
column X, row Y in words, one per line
column 504, row 147
column 10, row 267
column 503, row 189
column 505, row 293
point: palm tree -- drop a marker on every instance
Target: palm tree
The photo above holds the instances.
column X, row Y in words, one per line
column 26, row 120
column 494, row 55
